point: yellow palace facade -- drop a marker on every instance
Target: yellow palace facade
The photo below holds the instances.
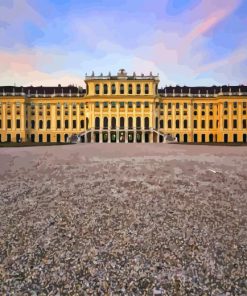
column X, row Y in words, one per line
column 123, row 109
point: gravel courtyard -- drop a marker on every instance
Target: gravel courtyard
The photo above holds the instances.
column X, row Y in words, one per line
column 123, row 219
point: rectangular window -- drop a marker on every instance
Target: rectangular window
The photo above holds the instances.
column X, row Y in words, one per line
column 161, row 105
column 210, row 123
column 203, row 123
column 66, row 124
column 138, row 104
column 113, row 104
column 74, row 123
column 244, row 123
column 203, row 105
column 225, row 123
column 195, row 105
column 244, row 104
column 235, row 104
column 121, row 104
column 58, row 124
column 169, row 105
column 105, row 104
column 185, row 105
column 195, row 123
column 235, row 125
column 185, row 123
column 130, row 105
column 177, row 105
column 18, row 123
column 146, row 104
column 9, row 123
column 96, row 104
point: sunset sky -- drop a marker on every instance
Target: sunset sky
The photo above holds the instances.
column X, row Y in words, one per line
column 188, row 42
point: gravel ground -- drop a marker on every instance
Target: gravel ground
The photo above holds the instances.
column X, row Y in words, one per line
column 123, row 219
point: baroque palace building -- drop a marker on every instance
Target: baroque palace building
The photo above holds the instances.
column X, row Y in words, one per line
column 123, row 108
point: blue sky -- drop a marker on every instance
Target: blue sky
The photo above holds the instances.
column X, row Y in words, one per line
column 188, row 42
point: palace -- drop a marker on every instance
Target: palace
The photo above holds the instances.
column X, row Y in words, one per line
column 123, row 108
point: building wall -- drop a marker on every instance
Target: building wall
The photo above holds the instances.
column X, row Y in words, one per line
column 178, row 115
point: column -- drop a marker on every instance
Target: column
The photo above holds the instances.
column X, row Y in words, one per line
column 13, row 126
column 62, row 116
column 109, row 136
column 92, row 137
column 70, row 117
column 77, row 116
column 117, row 136
column 4, row 117
column 23, row 117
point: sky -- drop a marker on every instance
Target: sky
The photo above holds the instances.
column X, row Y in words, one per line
column 188, row 42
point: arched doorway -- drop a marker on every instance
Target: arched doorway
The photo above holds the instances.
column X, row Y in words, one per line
column 211, row 138
column 66, row 138
column 185, row 138
column 195, row 138
column 178, row 137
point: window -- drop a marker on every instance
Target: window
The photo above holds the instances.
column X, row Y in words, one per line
column 96, row 104
column 161, row 123
column 105, row 104
column 161, row 105
column 195, row 113
column 177, row 123
column 58, row 106
column 225, row 112
column 48, row 138
column 146, row 122
column 97, row 123
column 235, row 125
column 210, row 123
column 82, row 123
column 235, row 112
column 66, row 123
column 185, row 105
column 225, row 105
column 113, row 104
column 177, row 105
column 169, row 124
column 113, row 89
column 74, row 105
column 113, row 123
column 121, row 122
column 138, row 104
column 82, row 105
column 225, row 123
column 203, row 123
column 9, row 123
column 203, row 105
column 244, row 123
column 130, row 89
column 244, row 104
column 169, row 105
column 235, row 104
column 18, row 123
column 138, row 122
column 138, row 89
column 121, row 104
column 41, row 124
column 105, row 89
column 130, row 105
column 210, row 106
column 130, row 122
column 211, row 113
column 185, row 124
column 105, row 122
column 121, row 89
column 48, row 124
column 146, row 104
column 32, row 124
column 195, row 123
column 97, row 89
column 195, row 105
column 146, row 89
column 74, row 123
column 203, row 113
column 48, row 106
column 58, row 124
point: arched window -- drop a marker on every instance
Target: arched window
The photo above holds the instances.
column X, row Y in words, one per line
column 130, row 122
column 105, row 122
column 177, row 123
column 82, row 123
column 48, row 124
column 121, row 122
column 146, row 123
column 97, row 89
column 130, row 89
column 113, row 89
column 121, row 89
column 105, row 89
column 40, row 124
column 138, row 89
column 32, row 124
column 161, row 123
column 138, row 122
column 113, row 123
column 146, row 89
column 97, row 123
